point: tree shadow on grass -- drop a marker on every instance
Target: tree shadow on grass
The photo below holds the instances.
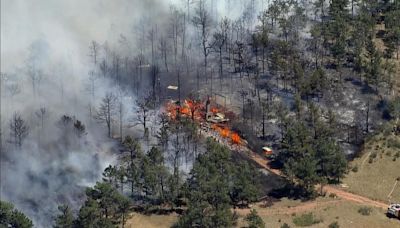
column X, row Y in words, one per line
column 293, row 192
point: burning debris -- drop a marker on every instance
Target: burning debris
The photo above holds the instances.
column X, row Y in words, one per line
column 207, row 115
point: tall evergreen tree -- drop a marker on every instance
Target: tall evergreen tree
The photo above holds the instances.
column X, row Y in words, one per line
column 11, row 217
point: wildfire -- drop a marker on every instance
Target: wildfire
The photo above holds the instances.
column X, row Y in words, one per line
column 188, row 108
column 214, row 110
column 196, row 108
column 236, row 138
column 225, row 132
column 185, row 111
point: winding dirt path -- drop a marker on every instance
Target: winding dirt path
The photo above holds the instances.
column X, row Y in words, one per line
column 264, row 163
column 261, row 161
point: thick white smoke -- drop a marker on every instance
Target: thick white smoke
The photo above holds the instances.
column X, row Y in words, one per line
column 52, row 39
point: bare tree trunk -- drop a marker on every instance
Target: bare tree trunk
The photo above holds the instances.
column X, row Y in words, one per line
column 120, row 121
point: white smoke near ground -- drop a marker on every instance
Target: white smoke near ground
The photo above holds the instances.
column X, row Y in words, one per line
column 52, row 38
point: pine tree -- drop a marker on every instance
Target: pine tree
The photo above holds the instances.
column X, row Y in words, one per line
column 254, row 220
column 65, row 219
column 372, row 67
column 10, row 217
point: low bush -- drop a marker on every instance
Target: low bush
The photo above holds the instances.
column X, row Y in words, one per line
column 306, row 220
column 393, row 143
column 285, row 225
column 334, row 225
column 332, row 195
column 397, row 155
column 365, row 211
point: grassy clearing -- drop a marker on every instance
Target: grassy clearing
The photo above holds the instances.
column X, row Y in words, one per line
column 344, row 213
column 377, row 170
column 151, row 221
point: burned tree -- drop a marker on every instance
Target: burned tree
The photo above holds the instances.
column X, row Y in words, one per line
column 42, row 114
column 202, row 21
column 143, row 112
column 155, row 80
column 163, row 48
column 94, row 50
column 79, row 129
column 220, row 39
column 19, row 130
column 176, row 31
column 107, row 110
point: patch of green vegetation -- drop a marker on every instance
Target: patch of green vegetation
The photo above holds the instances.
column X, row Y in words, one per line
column 365, row 211
column 254, row 220
column 393, row 143
column 373, row 155
column 334, row 225
column 306, row 220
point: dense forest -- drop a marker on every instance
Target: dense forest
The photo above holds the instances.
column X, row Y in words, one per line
column 125, row 128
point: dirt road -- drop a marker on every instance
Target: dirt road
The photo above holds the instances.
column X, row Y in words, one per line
column 329, row 189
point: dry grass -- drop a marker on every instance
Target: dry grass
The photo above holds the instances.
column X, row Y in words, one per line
column 376, row 180
column 344, row 212
column 329, row 210
column 151, row 221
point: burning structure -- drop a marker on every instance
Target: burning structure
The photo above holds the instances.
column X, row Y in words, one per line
column 206, row 114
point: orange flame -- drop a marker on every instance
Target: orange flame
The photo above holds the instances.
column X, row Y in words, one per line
column 225, row 132
column 190, row 107
column 236, row 138
column 185, row 111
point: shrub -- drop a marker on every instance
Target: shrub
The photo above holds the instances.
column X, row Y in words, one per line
column 365, row 210
column 397, row 155
column 393, row 143
column 370, row 160
column 254, row 220
column 332, row 195
column 285, row 225
column 373, row 155
column 355, row 169
column 306, row 220
column 387, row 131
column 334, row 225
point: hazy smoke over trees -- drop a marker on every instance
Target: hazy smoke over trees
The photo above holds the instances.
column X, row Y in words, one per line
column 50, row 88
